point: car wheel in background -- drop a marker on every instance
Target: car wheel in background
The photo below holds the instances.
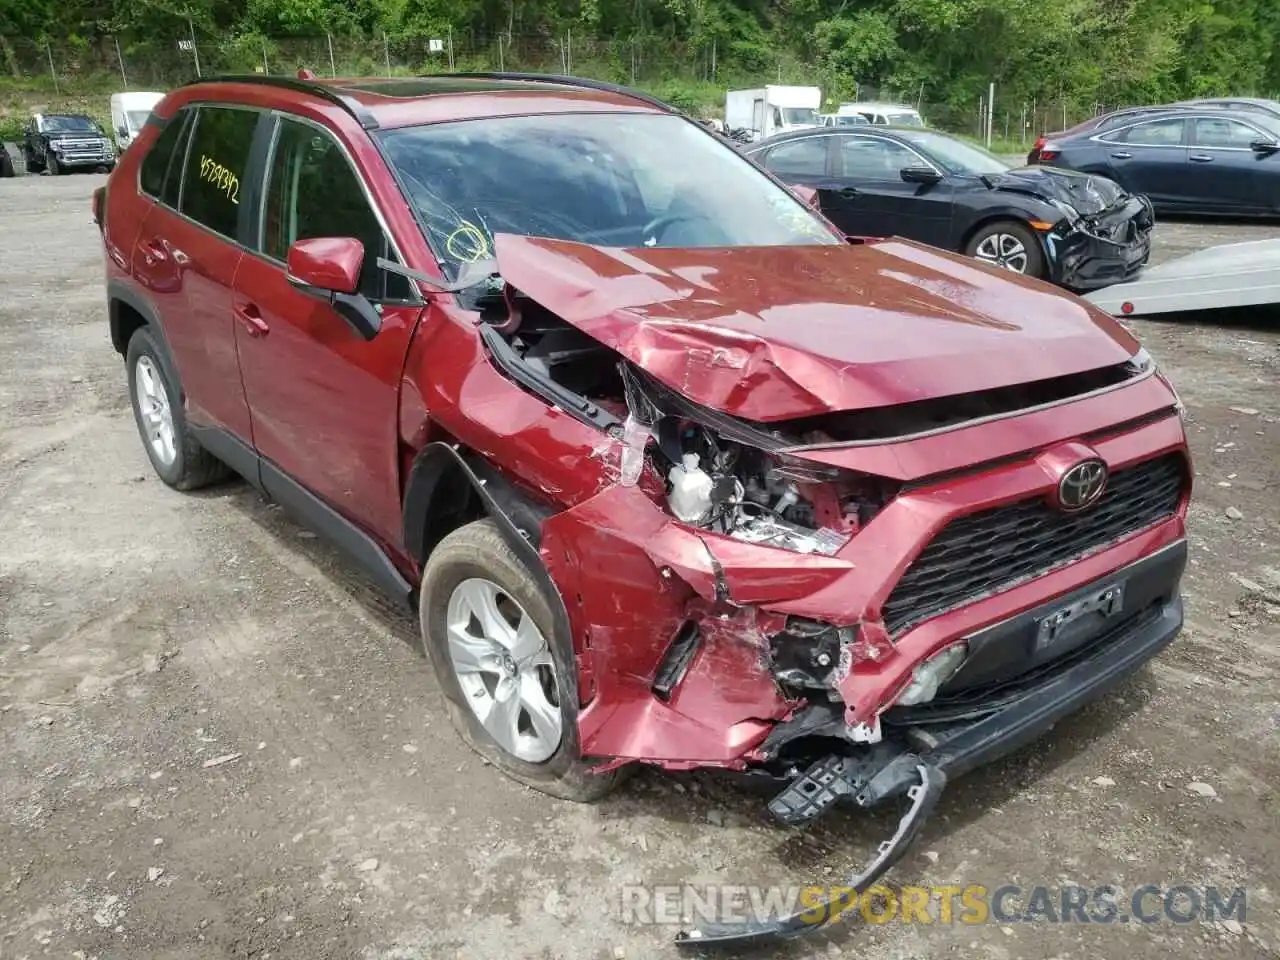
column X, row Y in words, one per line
column 6, row 162
column 509, row 680
column 33, row 165
column 54, row 168
column 174, row 452
column 1009, row 245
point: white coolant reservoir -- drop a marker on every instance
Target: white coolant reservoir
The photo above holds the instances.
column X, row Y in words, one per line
column 690, row 496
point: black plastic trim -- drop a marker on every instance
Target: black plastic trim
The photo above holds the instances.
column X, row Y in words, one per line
column 518, row 518
column 118, row 289
column 675, row 662
column 363, row 549
column 576, row 406
column 232, row 451
column 359, row 111
column 566, row 81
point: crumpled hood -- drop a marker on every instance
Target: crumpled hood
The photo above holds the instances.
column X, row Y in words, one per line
column 774, row 333
column 1087, row 193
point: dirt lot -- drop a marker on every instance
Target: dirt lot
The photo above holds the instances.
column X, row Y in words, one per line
column 144, row 633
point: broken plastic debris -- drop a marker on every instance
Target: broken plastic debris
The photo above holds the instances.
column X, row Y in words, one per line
column 219, row 761
column 634, row 437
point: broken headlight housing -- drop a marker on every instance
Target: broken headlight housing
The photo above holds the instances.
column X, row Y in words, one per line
column 727, row 476
column 928, row 678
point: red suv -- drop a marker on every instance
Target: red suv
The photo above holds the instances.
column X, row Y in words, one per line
column 672, row 471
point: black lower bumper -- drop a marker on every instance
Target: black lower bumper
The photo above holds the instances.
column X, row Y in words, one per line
column 924, row 748
column 1080, row 260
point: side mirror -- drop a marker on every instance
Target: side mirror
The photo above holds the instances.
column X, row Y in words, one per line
column 807, row 195
column 122, row 133
column 1264, row 146
column 328, row 268
column 919, row 175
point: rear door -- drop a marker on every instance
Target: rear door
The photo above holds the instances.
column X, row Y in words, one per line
column 868, row 196
column 188, row 251
column 1227, row 174
column 803, row 160
column 1150, row 157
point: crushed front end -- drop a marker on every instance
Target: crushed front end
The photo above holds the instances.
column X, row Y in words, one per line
column 1094, row 251
column 860, row 601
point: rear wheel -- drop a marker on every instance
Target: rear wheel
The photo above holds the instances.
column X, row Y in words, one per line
column 1009, row 245
column 174, row 452
column 509, row 679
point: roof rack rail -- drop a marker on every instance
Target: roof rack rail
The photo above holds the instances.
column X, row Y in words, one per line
column 363, row 116
column 602, row 85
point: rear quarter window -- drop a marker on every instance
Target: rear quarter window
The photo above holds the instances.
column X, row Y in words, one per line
column 216, row 163
column 159, row 159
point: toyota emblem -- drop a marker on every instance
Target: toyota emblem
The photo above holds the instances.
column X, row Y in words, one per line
column 1082, row 485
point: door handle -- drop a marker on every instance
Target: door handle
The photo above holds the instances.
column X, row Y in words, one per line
column 249, row 316
column 1200, row 158
column 1123, row 156
column 153, row 251
column 848, row 192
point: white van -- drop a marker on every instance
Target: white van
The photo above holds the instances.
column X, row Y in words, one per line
column 772, row 109
column 129, row 111
column 885, row 114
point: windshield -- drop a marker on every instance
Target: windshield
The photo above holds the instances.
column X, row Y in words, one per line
column 137, row 119
column 956, row 156
column 68, row 125
column 611, row 179
column 797, row 115
column 906, row 119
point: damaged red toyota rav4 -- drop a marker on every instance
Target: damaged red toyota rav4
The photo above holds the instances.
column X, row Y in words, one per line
column 672, row 471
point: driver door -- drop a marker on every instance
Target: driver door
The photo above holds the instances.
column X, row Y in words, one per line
column 324, row 401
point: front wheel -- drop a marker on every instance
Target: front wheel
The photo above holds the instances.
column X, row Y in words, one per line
column 55, row 168
column 508, row 677
column 1009, row 245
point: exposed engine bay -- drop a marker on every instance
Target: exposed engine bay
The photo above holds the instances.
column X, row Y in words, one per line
column 721, row 474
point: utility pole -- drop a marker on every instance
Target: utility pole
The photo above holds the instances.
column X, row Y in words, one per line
column 52, row 72
column 333, row 66
column 120, row 60
column 195, row 50
column 386, row 51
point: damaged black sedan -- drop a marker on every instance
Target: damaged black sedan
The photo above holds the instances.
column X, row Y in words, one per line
column 1078, row 231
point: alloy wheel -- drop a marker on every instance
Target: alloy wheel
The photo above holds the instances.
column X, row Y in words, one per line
column 505, row 670
column 155, row 410
column 1003, row 250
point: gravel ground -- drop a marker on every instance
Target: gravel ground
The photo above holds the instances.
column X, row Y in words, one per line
column 145, row 634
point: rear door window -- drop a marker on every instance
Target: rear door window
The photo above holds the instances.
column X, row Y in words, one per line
column 216, row 163
column 313, row 191
column 806, row 157
column 1155, row 133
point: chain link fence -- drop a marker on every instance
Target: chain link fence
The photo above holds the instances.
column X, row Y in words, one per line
column 686, row 74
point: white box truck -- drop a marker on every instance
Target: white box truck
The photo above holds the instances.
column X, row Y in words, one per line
column 129, row 111
column 772, row 109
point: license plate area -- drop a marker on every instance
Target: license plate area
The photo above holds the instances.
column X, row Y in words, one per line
column 1080, row 618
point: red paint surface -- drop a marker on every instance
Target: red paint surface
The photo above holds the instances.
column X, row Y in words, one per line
column 762, row 333
column 330, row 263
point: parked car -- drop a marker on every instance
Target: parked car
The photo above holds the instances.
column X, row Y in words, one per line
column 62, row 142
column 1080, row 232
column 1106, row 121
column 1186, row 160
column 672, row 472
column 1257, row 104
column 842, row 120
column 6, row 161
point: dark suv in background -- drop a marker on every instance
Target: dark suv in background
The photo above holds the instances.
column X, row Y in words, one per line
column 62, row 142
column 671, row 471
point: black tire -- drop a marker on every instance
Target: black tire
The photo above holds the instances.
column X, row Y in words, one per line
column 33, row 165
column 478, row 550
column 192, row 465
column 55, row 168
column 6, row 162
column 1030, row 242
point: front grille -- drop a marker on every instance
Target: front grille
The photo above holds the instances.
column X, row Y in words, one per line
column 975, row 556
